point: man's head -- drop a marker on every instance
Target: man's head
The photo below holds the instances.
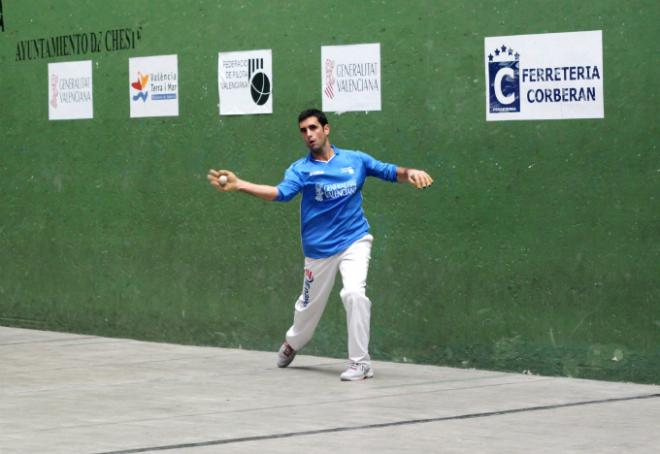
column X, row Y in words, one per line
column 320, row 116
column 314, row 129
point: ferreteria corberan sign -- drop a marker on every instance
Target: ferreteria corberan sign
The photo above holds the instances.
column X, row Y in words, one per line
column 78, row 44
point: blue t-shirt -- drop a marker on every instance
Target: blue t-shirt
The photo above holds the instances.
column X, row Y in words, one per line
column 331, row 215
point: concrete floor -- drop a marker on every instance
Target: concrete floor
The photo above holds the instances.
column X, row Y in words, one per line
column 66, row 393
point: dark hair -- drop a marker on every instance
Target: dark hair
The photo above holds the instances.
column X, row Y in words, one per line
column 320, row 116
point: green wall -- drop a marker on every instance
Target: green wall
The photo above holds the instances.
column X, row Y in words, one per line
column 538, row 247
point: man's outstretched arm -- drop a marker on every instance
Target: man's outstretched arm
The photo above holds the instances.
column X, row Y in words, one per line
column 233, row 184
column 418, row 178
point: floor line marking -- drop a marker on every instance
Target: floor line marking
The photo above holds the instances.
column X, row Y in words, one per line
column 329, row 401
column 379, row 425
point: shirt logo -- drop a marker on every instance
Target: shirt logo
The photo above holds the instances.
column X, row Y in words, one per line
column 348, row 170
column 335, row 191
column 316, row 172
column 319, row 193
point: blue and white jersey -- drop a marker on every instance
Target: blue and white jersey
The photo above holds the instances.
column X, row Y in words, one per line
column 331, row 214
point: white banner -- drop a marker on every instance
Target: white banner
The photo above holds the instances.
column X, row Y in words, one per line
column 154, row 86
column 70, row 90
column 350, row 78
column 245, row 82
column 544, row 77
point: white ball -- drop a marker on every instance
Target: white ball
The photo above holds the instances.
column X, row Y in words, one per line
column 223, row 180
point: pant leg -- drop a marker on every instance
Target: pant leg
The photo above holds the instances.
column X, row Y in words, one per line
column 354, row 266
column 317, row 285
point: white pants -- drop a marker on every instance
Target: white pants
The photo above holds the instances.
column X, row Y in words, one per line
column 353, row 264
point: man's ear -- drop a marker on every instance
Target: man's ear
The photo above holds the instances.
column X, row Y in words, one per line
column 326, row 129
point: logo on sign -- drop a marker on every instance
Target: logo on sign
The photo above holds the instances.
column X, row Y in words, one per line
column 546, row 76
column 163, row 86
column 70, row 90
column 350, row 78
column 245, row 82
column 259, row 82
column 504, row 80
column 141, row 86
column 54, row 81
column 153, row 86
column 329, row 78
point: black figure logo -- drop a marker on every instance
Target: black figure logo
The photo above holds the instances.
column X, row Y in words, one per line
column 259, row 82
column 2, row 19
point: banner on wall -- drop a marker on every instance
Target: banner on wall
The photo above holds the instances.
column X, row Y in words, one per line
column 544, row 77
column 245, row 82
column 70, row 90
column 350, row 78
column 154, row 86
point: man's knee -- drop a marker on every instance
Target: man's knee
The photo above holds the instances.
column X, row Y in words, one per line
column 351, row 295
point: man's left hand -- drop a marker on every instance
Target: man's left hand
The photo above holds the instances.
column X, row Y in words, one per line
column 419, row 178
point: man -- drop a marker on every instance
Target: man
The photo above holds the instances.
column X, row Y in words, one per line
column 335, row 233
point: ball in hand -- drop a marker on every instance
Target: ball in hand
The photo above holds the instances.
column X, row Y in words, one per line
column 222, row 180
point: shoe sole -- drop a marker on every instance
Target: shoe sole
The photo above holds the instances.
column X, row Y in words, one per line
column 281, row 363
column 369, row 374
column 285, row 364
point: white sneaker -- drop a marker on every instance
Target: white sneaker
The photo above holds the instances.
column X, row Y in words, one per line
column 285, row 355
column 357, row 371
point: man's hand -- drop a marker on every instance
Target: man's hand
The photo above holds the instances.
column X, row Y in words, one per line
column 233, row 184
column 217, row 180
column 418, row 178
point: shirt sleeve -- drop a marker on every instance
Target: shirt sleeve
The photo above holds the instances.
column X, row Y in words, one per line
column 378, row 169
column 290, row 186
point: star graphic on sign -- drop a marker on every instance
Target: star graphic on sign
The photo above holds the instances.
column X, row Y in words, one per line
column 490, row 57
column 517, row 56
column 510, row 51
column 497, row 52
column 503, row 48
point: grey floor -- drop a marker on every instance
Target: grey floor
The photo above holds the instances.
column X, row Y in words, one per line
column 66, row 393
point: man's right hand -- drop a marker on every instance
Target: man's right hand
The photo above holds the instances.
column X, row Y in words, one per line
column 234, row 183
column 214, row 178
